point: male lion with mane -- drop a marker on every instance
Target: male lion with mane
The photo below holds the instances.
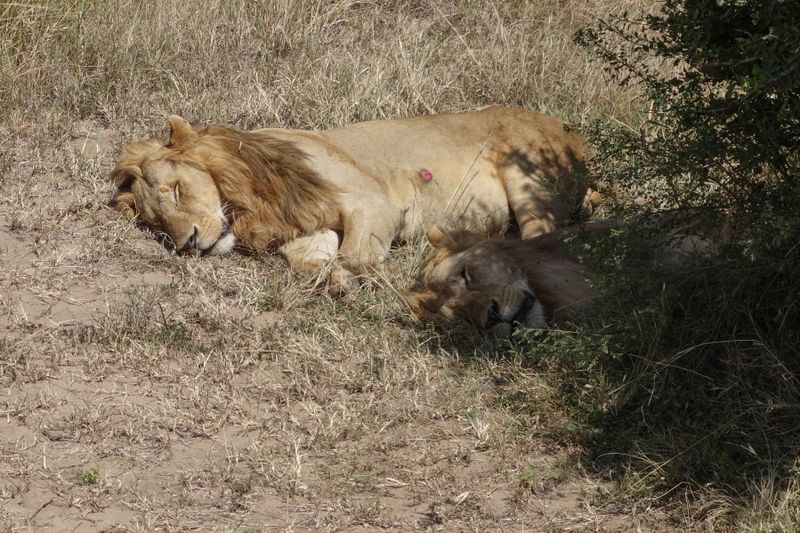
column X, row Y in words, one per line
column 497, row 284
column 352, row 191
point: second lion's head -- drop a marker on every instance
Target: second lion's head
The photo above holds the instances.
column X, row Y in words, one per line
column 497, row 284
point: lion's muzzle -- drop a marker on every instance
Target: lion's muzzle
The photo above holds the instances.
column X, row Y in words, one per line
column 527, row 304
column 196, row 244
column 191, row 242
column 529, row 312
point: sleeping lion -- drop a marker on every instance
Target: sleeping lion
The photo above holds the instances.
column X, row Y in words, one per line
column 350, row 192
column 497, row 284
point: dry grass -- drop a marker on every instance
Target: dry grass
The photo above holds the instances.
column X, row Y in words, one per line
column 145, row 391
column 297, row 63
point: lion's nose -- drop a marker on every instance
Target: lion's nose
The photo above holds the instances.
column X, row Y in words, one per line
column 527, row 305
column 494, row 317
column 192, row 242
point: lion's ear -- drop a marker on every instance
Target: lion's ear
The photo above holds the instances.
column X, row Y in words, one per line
column 124, row 200
column 126, row 172
column 452, row 240
column 181, row 133
column 437, row 237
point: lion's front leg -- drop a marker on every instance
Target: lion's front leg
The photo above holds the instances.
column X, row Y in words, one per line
column 368, row 234
column 316, row 253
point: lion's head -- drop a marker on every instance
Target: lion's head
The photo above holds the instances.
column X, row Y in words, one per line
column 172, row 193
column 206, row 188
column 497, row 284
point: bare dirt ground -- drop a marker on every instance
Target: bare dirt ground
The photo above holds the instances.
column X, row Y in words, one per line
column 143, row 391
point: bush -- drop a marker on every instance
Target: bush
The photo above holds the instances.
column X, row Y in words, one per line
column 708, row 365
column 723, row 79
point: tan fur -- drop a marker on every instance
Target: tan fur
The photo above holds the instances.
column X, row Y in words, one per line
column 352, row 191
column 467, row 275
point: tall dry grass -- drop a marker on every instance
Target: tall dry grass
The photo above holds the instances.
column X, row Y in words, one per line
column 303, row 63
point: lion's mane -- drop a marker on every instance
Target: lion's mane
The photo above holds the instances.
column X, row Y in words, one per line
column 265, row 183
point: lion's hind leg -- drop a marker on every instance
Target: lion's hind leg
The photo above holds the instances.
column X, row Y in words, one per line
column 544, row 186
column 531, row 200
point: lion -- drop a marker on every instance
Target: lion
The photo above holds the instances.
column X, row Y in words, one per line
column 497, row 284
column 351, row 192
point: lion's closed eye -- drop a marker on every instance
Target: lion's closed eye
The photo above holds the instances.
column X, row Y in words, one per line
column 466, row 277
column 176, row 195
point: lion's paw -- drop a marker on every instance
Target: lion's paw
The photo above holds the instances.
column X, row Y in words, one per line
column 341, row 282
